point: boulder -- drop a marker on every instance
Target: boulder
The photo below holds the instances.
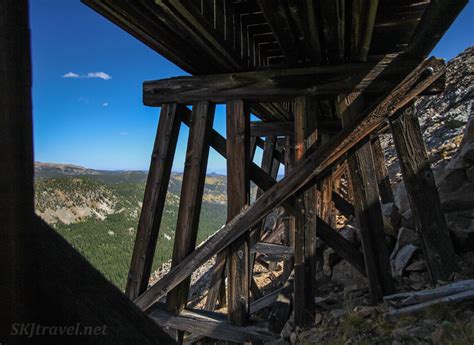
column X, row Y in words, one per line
column 401, row 259
column 461, row 227
column 343, row 273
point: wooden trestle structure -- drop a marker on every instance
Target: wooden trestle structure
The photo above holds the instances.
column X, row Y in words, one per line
column 326, row 78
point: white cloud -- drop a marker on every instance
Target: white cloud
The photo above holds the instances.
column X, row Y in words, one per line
column 71, row 75
column 101, row 75
column 123, row 133
column 105, row 104
column 90, row 75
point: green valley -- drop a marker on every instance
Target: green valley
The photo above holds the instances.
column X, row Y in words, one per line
column 98, row 212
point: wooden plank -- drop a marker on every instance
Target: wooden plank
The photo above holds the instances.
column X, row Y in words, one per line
column 333, row 19
column 217, row 280
column 363, row 20
column 308, row 172
column 381, row 172
column 270, row 85
column 369, row 215
column 218, row 143
column 305, row 113
column 264, row 129
column 436, row 20
column 289, row 221
column 190, row 202
column 277, row 17
column 154, row 200
column 423, row 194
column 238, row 196
column 343, row 247
column 273, row 252
column 447, row 300
column 266, row 300
column 268, row 164
column 343, row 206
column 326, row 210
column 414, row 297
column 209, row 327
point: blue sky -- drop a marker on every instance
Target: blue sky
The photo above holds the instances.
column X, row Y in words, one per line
column 94, row 117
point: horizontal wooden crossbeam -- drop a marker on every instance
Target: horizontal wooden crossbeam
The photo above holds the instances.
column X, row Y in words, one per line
column 274, row 128
column 273, row 252
column 271, row 85
column 206, row 324
column 310, row 169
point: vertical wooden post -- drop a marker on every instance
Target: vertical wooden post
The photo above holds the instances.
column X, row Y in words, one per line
column 423, row 195
column 238, row 195
column 154, row 200
column 194, row 176
column 369, row 215
column 268, row 163
column 305, row 114
column 383, row 179
column 290, row 226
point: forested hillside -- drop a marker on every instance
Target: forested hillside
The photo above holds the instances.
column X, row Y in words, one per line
column 98, row 212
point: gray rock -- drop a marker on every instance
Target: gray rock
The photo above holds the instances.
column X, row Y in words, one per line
column 461, row 227
column 401, row 259
column 346, row 275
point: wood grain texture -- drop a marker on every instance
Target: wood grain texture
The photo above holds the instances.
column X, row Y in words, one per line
column 308, row 171
column 423, row 195
column 271, row 85
column 381, row 172
column 154, row 200
column 190, row 202
column 369, row 214
column 238, row 196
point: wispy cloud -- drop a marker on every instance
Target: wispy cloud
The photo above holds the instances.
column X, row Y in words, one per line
column 101, row 75
column 90, row 75
column 123, row 133
column 105, row 104
column 71, row 75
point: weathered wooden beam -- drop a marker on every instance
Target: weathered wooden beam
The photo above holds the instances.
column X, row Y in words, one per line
column 277, row 17
column 309, row 170
column 238, row 196
column 343, row 206
column 369, row 215
column 289, row 220
column 264, row 129
column 436, row 20
column 218, row 143
column 423, row 195
column 190, row 202
column 270, row 249
column 363, row 19
column 381, row 172
column 154, row 199
column 205, row 325
column 268, row 165
column 305, row 113
column 269, row 85
column 333, row 18
column 343, row 247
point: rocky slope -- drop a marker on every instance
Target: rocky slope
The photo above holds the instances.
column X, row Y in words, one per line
column 344, row 315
